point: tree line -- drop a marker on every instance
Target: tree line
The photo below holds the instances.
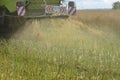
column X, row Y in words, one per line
column 116, row 5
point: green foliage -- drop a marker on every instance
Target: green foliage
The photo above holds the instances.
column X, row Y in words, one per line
column 116, row 5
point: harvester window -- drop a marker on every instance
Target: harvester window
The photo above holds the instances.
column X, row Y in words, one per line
column 71, row 4
column 26, row 2
column 19, row 4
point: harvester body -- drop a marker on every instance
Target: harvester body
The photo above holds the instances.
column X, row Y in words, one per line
column 43, row 8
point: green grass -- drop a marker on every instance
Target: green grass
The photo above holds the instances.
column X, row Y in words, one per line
column 23, row 60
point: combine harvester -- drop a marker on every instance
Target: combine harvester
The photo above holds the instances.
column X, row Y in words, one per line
column 38, row 8
column 45, row 8
column 13, row 14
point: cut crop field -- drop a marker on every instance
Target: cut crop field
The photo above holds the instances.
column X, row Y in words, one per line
column 82, row 47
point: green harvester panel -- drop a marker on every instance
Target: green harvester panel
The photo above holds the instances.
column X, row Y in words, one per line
column 37, row 7
column 53, row 2
column 35, row 4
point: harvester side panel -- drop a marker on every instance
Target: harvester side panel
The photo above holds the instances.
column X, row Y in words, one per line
column 35, row 8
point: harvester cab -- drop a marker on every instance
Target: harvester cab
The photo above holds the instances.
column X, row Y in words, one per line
column 43, row 8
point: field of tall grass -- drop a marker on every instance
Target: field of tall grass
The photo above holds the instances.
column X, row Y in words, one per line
column 83, row 47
